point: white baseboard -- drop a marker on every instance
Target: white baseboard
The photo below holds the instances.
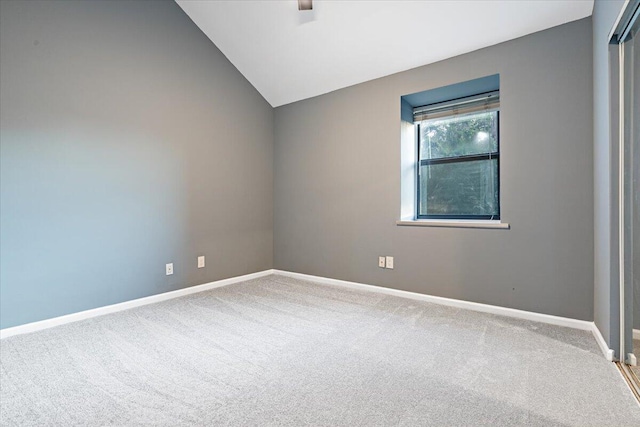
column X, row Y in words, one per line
column 583, row 325
column 636, row 334
column 485, row 308
column 608, row 353
column 100, row 311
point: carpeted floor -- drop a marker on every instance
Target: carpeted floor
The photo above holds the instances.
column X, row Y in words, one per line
column 280, row 351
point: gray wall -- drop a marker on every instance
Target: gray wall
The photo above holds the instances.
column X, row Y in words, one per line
column 337, row 183
column 606, row 305
column 127, row 141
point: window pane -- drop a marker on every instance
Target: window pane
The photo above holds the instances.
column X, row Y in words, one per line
column 459, row 136
column 460, row 188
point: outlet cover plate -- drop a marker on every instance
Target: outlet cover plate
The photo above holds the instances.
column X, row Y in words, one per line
column 389, row 262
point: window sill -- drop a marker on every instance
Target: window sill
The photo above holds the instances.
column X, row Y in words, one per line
column 454, row 223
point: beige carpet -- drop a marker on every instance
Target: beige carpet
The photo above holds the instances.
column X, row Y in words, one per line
column 280, row 351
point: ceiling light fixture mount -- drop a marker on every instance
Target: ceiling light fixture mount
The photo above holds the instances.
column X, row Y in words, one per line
column 305, row 4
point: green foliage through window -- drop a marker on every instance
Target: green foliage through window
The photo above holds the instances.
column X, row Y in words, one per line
column 459, row 136
column 459, row 167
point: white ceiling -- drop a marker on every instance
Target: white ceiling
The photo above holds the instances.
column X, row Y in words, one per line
column 290, row 55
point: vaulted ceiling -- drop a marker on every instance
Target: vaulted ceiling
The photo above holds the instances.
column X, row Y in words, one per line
column 289, row 55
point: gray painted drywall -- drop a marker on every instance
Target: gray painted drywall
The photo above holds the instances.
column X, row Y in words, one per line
column 606, row 305
column 127, row 141
column 337, row 182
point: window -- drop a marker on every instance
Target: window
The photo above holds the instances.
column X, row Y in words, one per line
column 458, row 162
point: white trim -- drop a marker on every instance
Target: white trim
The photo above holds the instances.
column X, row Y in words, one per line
column 567, row 322
column 636, row 334
column 608, row 353
column 100, row 311
column 583, row 325
column 462, row 223
column 468, row 305
column 621, row 198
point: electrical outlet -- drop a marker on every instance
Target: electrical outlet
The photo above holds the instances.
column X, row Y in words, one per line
column 381, row 262
column 169, row 269
column 201, row 261
column 390, row 262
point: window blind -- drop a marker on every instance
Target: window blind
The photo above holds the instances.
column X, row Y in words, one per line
column 472, row 104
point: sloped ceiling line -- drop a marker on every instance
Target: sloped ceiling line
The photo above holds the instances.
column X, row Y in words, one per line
column 290, row 55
